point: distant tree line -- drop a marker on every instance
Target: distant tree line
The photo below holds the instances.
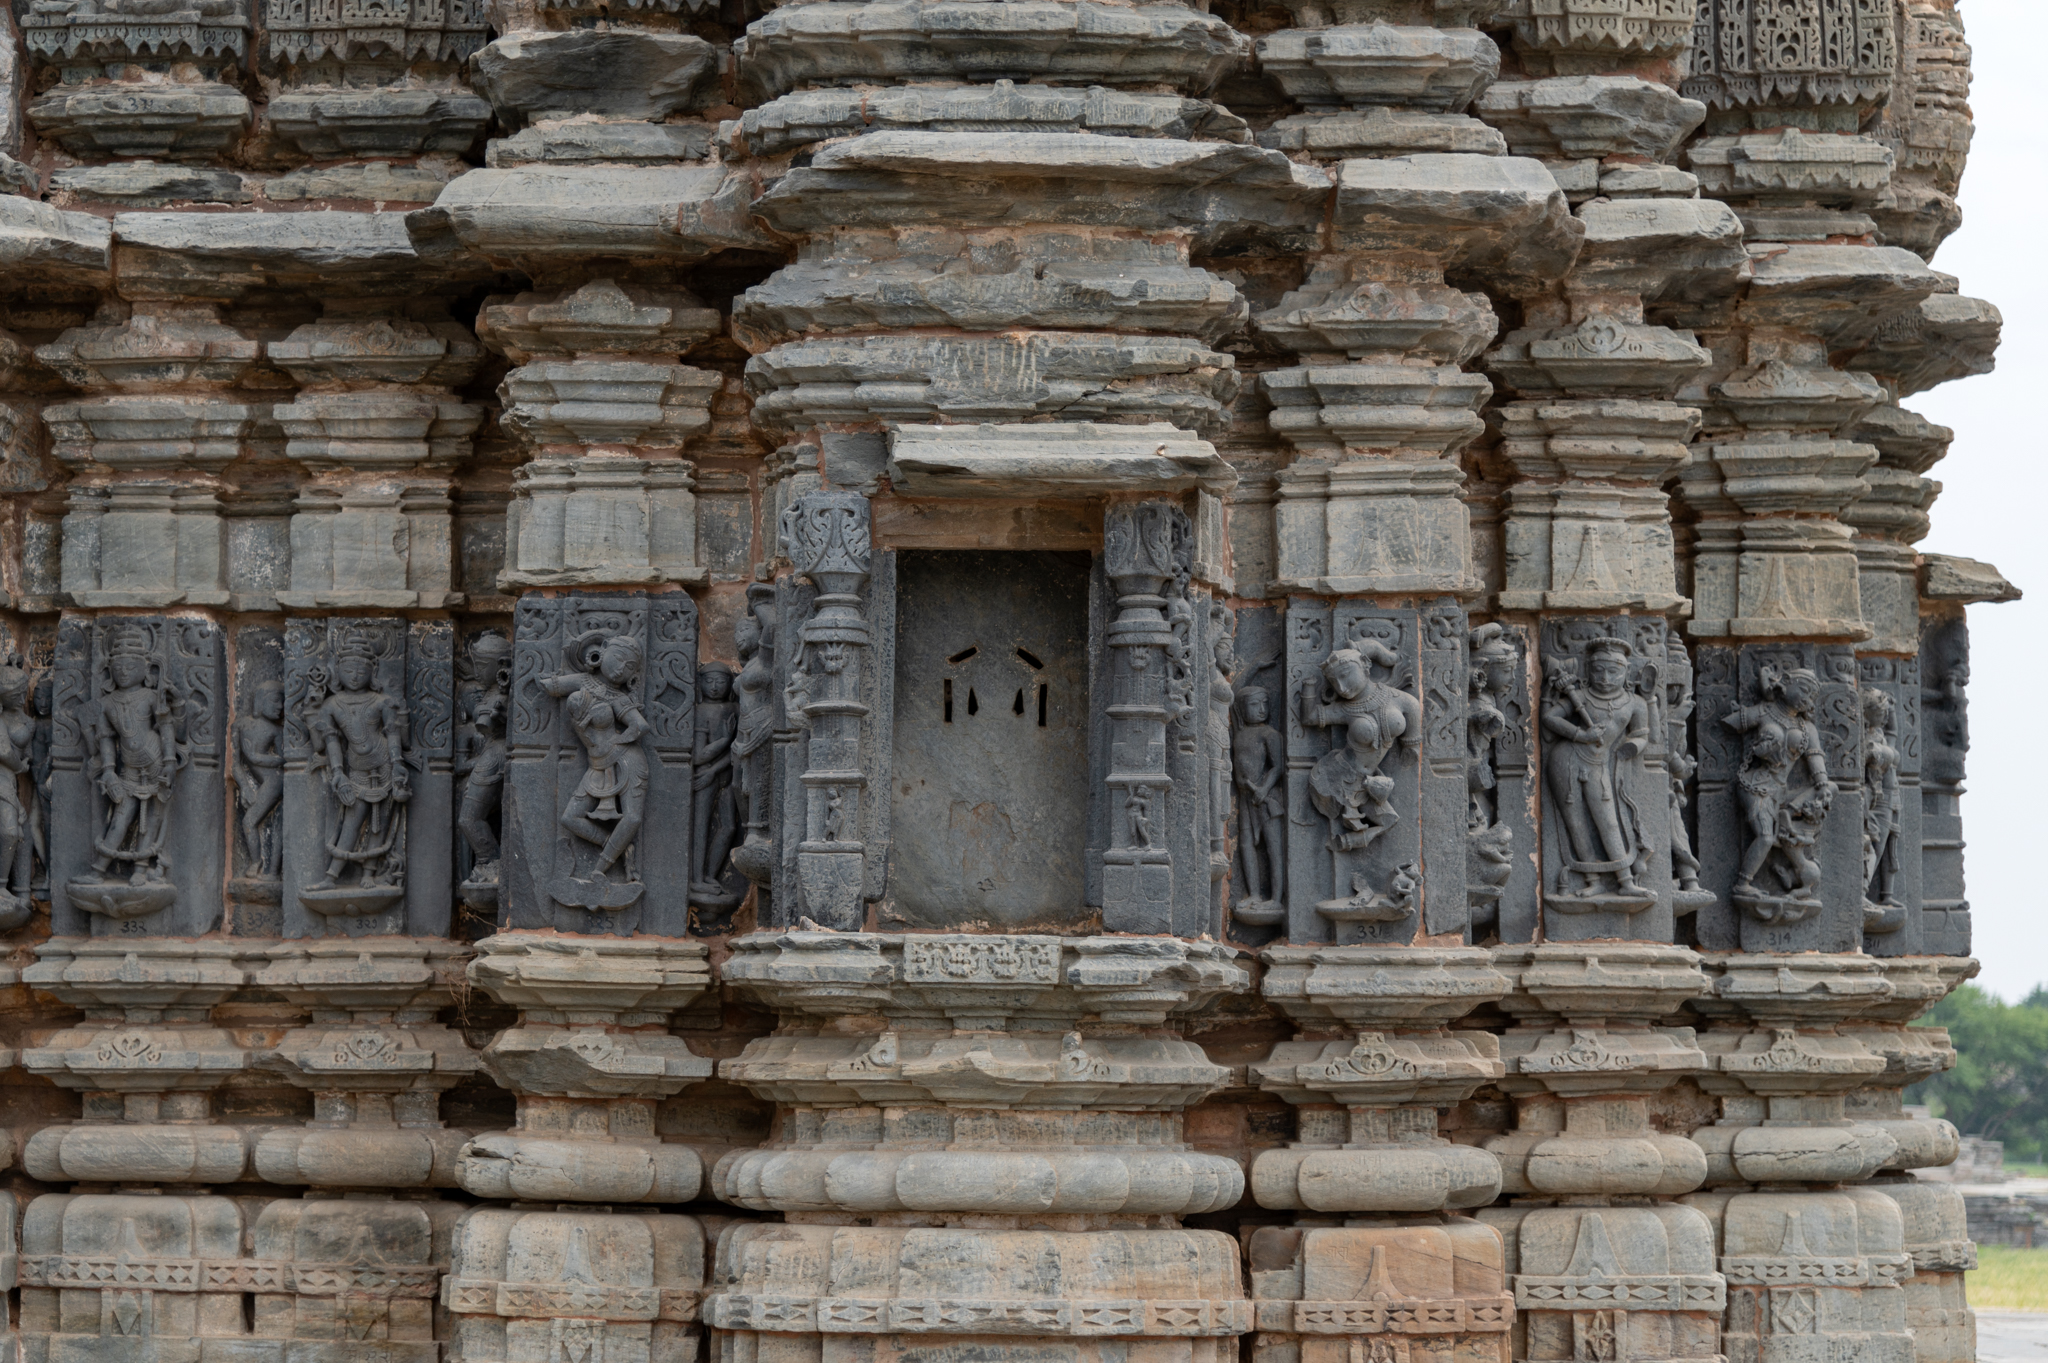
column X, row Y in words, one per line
column 1999, row 1086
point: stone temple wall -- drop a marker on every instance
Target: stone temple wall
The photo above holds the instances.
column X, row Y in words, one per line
column 979, row 681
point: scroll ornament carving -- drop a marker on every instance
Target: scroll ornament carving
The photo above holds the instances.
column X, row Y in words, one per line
column 1785, row 791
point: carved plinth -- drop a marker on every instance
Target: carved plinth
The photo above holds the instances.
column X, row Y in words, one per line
column 1586, row 1062
column 601, row 520
column 589, row 1060
column 932, row 1084
column 556, row 1284
column 376, row 1058
column 1400, row 1293
column 1367, row 1126
column 1800, row 1263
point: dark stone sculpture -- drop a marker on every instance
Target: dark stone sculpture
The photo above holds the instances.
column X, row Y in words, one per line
column 137, row 788
column 368, row 785
column 602, row 723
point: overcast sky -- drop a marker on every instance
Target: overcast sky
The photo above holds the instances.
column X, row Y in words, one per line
column 1994, row 500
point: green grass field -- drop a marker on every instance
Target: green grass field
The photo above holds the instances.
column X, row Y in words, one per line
column 2009, row 1279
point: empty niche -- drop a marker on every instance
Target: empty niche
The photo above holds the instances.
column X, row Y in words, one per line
column 990, row 790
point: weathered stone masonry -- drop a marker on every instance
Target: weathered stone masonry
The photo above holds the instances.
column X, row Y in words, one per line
column 935, row 681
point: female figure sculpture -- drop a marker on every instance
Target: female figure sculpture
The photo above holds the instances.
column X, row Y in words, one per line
column 1785, row 791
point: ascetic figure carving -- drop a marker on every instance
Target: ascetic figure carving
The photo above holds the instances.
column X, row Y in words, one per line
column 1785, row 792
column 1258, row 766
column 17, row 739
column 754, row 726
column 259, row 777
column 136, row 753
column 359, row 734
column 711, row 781
column 610, row 801
column 1592, row 730
column 1882, row 911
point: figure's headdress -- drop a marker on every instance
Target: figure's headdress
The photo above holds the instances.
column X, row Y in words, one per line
column 350, row 643
column 1618, row 647
column 127, row 641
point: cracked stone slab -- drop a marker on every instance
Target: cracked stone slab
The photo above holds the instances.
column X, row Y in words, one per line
column 338, row 123
column 568, row 214
column 588, row 141
column 808, row 116
column 1051, row 279
column 1220, row 191
column 227, row 256
column 1077, row 42
column 1084, row 376
column 1573, row 117
column 143, row 183
column 1052, row 460
column 616, row 73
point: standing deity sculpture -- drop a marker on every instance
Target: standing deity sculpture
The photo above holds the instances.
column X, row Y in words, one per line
column 754, row 726
column 1785, row 792
column 1882, row 805
column 608, row 804
column 714, row 824
column 258, row 766
column 1676, row 709
column 358, row 734
column 1259, row 769
column 17, row 839
column 132, row 738
column 482, row 771
column 479, row 763
column 1594, row 729
column 1347, row 785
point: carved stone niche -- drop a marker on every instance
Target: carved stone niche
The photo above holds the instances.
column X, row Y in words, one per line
column 138, row 707
column 376, row 1059
column 1377, row 792
column 319, row 1277
column 1608, row 803
column 1780, row 803
column 598, row 748
column 1397, row 1293
column 368, row 777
